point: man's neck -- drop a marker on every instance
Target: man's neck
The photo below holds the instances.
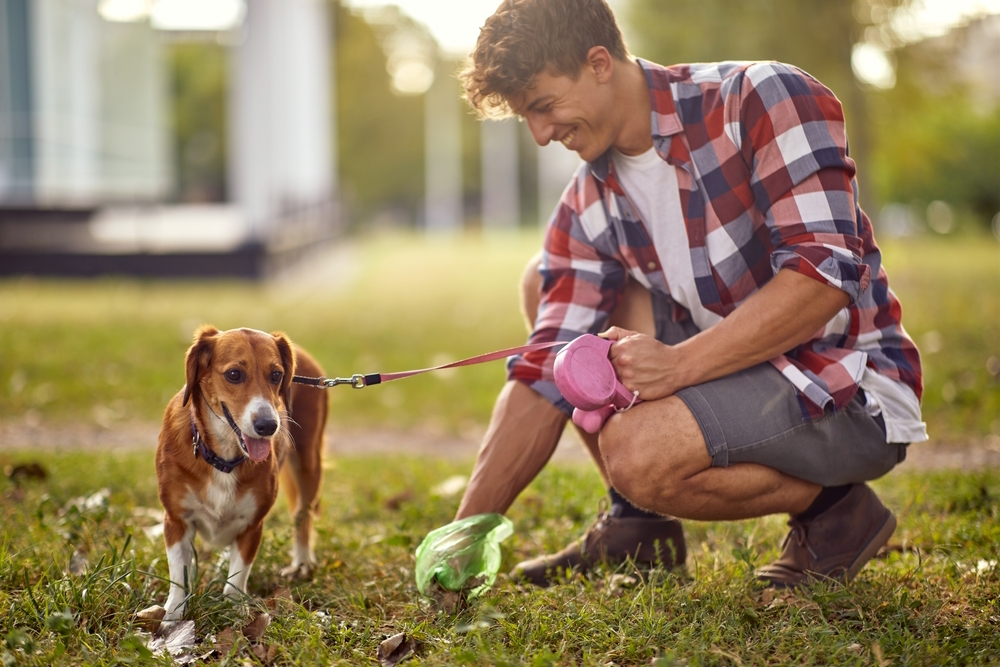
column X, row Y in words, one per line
column 635, row 135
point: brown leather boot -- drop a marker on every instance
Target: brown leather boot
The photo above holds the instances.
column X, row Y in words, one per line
column 611, row 539
column 835, row 544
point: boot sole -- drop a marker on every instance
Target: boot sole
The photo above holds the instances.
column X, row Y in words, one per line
column 872, row 547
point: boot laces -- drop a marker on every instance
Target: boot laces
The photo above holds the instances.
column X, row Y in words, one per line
column 599, row 524
column 799, row 533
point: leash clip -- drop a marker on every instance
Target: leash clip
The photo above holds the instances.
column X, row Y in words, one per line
column 357, row 381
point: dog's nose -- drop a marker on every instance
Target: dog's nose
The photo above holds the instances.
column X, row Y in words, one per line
column 265, row 425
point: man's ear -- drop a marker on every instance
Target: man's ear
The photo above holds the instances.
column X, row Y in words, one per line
column 287, row 353
column 601, row 63
column 198, row 357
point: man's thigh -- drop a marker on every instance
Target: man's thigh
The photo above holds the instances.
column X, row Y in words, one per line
column 754, row 417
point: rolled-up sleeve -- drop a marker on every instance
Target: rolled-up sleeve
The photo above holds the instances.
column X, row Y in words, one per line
column 582, row 282
column 803, row 179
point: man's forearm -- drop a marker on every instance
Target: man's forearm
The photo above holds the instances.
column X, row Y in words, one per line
column 785, row 313
column 523, row 433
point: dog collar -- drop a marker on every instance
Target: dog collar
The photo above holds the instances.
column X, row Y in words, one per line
column 213, row 459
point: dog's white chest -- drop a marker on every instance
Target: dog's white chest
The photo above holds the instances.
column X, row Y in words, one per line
column 218, row 514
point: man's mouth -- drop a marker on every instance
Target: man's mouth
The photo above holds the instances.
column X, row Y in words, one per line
column 568, row 139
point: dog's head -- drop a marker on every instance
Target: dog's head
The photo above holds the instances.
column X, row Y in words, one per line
column 245, row 377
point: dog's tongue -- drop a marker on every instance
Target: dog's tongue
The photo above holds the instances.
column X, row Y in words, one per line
column 258, row 448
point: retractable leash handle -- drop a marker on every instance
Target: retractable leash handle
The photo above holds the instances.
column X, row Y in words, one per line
column 587, row 379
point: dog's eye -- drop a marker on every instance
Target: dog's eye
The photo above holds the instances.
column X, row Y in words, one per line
column 234, row 375
column 276, row 377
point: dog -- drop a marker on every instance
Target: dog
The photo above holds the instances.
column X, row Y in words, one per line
column 236, row 425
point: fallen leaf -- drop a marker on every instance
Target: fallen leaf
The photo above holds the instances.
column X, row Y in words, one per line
column 177, row 637
column 395, row 649
column 25, row 471
column 225, row 641
column 394, row 502
column 767, row 596
column 452, row 486
column 254, row 630
column 280, row 594
column 150, row 617
column 78, row 562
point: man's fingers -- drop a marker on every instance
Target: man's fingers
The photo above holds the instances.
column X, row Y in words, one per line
column 615, row 333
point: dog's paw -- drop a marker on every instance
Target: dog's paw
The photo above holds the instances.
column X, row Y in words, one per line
column 298, row 572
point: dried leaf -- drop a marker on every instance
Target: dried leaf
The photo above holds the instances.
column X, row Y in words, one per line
column 767, row 596
column 395, row 649
column 452, row 486
column 280, row 594
column 225, row 641
column 254, row 630
column 394, row 502
column 78, row 562
column 23, row 471
column 177, row 637
column 150, row 617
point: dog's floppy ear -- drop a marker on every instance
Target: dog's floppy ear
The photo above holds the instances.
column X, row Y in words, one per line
column 287, row 353
column 198, row 356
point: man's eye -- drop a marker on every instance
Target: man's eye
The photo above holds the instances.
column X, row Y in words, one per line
column 276, row 377
column 234, row 375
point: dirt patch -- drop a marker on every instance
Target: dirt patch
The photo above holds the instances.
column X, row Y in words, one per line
column 23, row 435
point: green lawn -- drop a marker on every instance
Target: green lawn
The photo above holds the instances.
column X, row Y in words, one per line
column 111, row 350
column 933, row 600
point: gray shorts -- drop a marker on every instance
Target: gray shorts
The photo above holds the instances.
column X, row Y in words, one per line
column 753, row 416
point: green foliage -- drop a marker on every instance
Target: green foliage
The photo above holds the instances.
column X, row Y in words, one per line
column 933, row 142
column 380, row 135
column 111, row 351
column 931, row 599
column 921, row 141
column 198, row 75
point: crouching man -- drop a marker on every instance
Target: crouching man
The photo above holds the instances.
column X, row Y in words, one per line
column 713, row 232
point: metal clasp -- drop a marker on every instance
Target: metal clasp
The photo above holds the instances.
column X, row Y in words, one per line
column 357, row 381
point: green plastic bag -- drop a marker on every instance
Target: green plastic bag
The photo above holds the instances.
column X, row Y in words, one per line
column 463, row 554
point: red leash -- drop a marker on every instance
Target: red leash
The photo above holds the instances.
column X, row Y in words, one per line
column 360, row 381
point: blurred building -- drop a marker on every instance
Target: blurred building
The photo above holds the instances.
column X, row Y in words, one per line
column 82, row 107
column 85, row 159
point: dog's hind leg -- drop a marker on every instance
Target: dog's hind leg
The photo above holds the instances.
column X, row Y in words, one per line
column 179, row 538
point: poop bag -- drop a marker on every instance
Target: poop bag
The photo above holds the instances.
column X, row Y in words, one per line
column 463, row 556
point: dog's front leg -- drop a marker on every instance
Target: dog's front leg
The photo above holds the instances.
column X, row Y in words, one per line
column 179, row 538
column 242, row 552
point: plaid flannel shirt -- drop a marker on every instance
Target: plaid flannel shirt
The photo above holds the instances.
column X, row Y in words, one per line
column 765, row 184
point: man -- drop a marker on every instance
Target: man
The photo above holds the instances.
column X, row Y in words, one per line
column 713, row 233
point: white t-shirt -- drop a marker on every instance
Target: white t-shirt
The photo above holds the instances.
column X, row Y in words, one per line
column 650, row 184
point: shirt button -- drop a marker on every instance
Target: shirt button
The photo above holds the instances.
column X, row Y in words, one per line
column 651, row 266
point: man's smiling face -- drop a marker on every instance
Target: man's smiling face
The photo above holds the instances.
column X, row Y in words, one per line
column 577, row 113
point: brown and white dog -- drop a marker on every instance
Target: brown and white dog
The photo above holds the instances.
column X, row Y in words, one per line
column 225, row 436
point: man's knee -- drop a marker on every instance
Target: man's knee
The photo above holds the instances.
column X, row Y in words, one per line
column 652, row 461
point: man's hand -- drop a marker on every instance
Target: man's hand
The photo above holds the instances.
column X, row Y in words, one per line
column 643, row 363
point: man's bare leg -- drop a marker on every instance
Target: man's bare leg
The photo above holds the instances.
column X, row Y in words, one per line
column 677, row 477
column 833, row 536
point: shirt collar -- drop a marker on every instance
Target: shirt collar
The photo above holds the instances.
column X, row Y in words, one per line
column 664, row 122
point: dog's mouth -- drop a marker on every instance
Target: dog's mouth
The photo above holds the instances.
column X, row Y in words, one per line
column 256, row 448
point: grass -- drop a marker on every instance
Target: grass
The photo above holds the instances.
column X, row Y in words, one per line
column 108, row 351
column 933, row 600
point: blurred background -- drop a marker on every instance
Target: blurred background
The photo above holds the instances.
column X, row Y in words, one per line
column 321, row 148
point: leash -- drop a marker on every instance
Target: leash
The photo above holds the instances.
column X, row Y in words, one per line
column 360, row 380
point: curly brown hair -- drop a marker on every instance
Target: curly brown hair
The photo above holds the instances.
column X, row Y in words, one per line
column 525, row 37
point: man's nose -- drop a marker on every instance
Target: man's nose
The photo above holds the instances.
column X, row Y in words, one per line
column 541, row 131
